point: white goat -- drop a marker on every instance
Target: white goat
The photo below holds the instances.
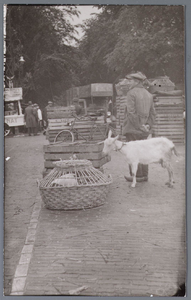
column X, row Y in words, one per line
column 153, row 150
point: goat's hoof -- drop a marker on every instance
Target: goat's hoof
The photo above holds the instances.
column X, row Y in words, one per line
column 133, row 185
column 170, row 185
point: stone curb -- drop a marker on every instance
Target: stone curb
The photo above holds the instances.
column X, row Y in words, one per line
column 20, row 275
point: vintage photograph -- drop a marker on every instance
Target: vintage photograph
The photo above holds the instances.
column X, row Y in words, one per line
column 94, row 150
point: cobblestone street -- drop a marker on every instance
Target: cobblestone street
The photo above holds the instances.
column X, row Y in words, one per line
column 133, row 245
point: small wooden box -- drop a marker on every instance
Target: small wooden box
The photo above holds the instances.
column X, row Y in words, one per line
column 90, row 151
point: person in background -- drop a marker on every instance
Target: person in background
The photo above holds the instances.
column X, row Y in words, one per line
column 40, row 121
column 30, row 118
column 139, row 117
column 36, row 118
column 45, row 115
column 78, row 107
column 106, row 110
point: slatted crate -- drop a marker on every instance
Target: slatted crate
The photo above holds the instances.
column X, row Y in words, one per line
column 82, row 129
column 56, row 125
column 82, row 150
column 60, row 112
column 120, row 103
column 169, row 119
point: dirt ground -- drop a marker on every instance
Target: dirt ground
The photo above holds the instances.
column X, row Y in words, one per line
column 150, row 205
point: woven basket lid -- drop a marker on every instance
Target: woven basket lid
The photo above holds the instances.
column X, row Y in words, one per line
column 73, row 163
column 81, row 173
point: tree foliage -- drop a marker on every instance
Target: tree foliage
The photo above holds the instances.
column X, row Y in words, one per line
column 41, row 34
column 98, row 40
column 117, row 40
column 123, row 38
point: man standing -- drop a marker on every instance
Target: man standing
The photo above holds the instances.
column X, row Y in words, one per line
column 78, row 107
column 45, row 116
column 30, row 118
column 40, row 123
column 139, row 117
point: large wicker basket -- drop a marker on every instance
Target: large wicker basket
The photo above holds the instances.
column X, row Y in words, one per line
column 84, row 186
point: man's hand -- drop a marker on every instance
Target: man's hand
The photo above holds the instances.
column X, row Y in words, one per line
column 148, row 127
column 145, row 128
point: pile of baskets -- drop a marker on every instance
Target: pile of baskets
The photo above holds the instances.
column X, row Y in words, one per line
column 74, row 184
column 162, row 83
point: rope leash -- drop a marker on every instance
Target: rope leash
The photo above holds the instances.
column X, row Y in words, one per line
column 118, row 149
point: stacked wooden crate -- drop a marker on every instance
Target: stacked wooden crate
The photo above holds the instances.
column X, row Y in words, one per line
column 60, row 112
column 58, row 118
column 120, row 104
column 83, row 129
column 91, row 151
column 90, row 130
column 169, row 118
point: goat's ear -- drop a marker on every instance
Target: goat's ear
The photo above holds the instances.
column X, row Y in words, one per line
column 110, row 134
column 116, row 138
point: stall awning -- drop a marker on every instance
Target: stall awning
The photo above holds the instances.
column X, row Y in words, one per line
column 91, row 90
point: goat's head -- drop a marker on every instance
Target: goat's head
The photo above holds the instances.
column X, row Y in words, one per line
column 109, row 143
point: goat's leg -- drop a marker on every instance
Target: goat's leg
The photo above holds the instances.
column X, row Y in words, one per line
column 134, row 167
column 170, row 174
column 167, row 165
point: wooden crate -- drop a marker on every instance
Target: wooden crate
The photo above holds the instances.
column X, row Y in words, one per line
column 83, row 127
column 120, row 104
column 169, row 121
column 169, row 99
column 90, row 151
column 169, row 117
column 58, row 112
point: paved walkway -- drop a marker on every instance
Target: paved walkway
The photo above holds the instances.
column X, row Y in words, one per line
column 133, row 245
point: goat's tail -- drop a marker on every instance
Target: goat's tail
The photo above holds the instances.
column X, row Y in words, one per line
column 175, row 151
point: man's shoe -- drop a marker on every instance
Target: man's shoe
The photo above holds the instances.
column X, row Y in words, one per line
column 138, row 179
column 130, row 179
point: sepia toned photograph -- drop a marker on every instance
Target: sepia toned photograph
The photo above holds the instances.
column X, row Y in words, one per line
column 94, row 150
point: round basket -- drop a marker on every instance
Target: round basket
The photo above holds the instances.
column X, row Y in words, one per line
column 74, row 185
column 73, row 164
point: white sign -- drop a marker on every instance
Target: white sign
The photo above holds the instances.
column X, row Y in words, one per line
column 101, row 89
column 13, row 94
column 14, row 120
